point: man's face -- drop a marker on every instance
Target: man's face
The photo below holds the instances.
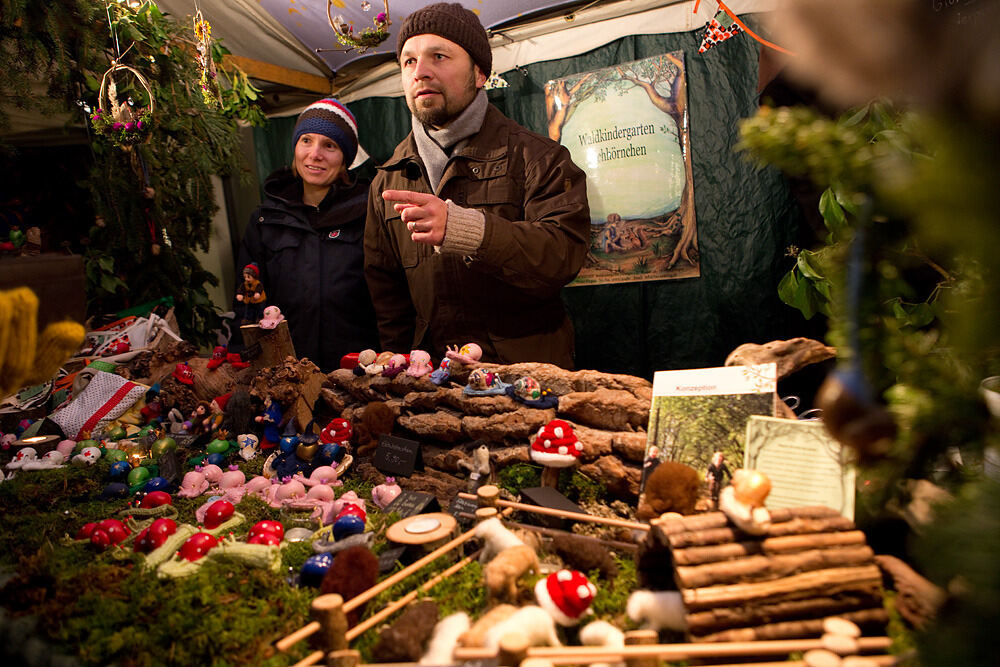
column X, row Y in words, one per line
column 439, row 79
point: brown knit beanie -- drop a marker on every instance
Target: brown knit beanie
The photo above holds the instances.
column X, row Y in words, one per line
column 453, row 22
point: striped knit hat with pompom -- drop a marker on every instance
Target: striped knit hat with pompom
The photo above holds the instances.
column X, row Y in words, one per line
column 333, row 120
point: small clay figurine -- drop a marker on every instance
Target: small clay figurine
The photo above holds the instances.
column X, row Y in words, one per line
column 270, row 420
column 251, row 294
column 272, row 317
column 383, row 494
column 528, row 391
column 479, row 468
column 484, row 383
column 218, row 358
column 743, row 501
column 566, row 595
column 420, row 364
column 397, row 364
column 365, row 359
column 470, row 353
column 442, row 373
column 380, row 364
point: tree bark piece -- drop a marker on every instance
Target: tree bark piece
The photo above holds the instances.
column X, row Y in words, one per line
column 790, row 355
column 275, row 344
column 729, row 534
column 918, row 600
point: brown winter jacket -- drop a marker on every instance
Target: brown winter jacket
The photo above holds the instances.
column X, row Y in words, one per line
column 505, row 297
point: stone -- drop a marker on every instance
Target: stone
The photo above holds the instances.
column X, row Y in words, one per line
column 620, row 479
column 612, row 409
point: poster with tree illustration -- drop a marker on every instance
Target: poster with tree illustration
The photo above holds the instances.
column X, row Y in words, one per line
column 626, row 126
column 699, row 412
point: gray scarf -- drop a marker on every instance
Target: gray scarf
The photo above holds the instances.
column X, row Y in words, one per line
column 436, row 146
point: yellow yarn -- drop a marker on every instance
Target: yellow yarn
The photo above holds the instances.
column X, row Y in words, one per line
column 24, row 357
column 56, row 344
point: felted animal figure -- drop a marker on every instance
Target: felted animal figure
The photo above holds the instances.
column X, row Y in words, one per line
column 352, row 572
column 657, row 610
column 397, row 364
column 502, row 573
column 404, row 640
column 743, row 501
column 377, row 419
column 671, row 487
column 495, row 537
column 533, row 622
column 475, row 636
column 585, row 554
column 239, row 412
column 444, row 639
column 470, row 353
column 385, row 493
column 602, row 633
column 420, row 364
column 193, row 485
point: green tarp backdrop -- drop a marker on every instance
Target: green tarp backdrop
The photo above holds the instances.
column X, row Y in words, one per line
column 745, row 215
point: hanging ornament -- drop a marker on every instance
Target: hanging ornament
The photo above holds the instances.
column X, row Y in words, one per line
column 367, row 38
column 209, row 77
column 123, row 123
column 720, row 28
column 495, row 81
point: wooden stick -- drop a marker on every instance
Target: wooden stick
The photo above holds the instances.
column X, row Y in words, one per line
column 728, row 534
column 671, row 651
column 819, row 583
column 304, row 632
column 372, row 592
column 551, row 532
column 575, row 516
column 770, row 545
column 722, row 618
column 329, row 611
column 640, row 638
column 310, row 659
column 719, row 520
column 393, row 607
column 790, row 629
column 753, row 568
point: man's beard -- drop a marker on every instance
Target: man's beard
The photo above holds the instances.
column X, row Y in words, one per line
column 438, row 117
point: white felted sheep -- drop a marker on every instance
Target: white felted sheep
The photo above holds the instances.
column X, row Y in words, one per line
column 445, row 638
column 495, row 538
column 533, row 622
column 602, row 633
column 657, row 609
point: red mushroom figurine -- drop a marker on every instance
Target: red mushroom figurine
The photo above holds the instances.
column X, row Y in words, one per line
column 555, row 447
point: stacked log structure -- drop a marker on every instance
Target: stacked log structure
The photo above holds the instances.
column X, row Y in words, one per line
column 810, row 564
column 609, row 414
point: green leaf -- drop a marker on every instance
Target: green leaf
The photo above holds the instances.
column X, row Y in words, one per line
column 833, row 214
column 802, row 263
column 857, row 118
column 805, row 300
column 787, row 288
column 111, row 283
column 106, row 263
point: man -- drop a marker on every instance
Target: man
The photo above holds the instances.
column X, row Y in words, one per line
column 475, row 223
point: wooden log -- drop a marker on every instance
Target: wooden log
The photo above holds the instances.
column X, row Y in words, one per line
column 722, row 618
column 790, row 629
column 816, row 584
column 719, row 520
column 771, row 545
column 329, row 612
column 640, row 638
column 759, row 567
column 513, row 649
column 797, row 526
column 488, row 495
column 267, row 347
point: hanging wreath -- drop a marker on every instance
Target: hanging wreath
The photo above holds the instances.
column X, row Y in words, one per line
column 209, row 76
column 121, row 122
column 367, row 38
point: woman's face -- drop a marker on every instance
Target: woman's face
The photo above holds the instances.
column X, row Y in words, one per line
column 318, row 160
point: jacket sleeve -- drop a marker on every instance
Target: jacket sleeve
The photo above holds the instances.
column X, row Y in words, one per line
column 546, row 250
column 386, row 279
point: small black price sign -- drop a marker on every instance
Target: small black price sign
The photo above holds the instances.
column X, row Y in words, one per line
column 459, row 505
column 388, row 559
column 411, row 503
column 396, row 456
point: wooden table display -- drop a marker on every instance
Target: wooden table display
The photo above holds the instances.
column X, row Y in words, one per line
column 812, row 563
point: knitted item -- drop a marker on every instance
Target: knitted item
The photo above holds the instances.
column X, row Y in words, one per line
column 453, row 22
column 19, row 353
column 56, row 344
column 26, row 358
column 333, row 120
column 464, row 231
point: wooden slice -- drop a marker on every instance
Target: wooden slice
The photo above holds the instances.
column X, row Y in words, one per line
column 422, row 528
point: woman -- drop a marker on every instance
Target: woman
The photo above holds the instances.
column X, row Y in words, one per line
column 306, row 239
